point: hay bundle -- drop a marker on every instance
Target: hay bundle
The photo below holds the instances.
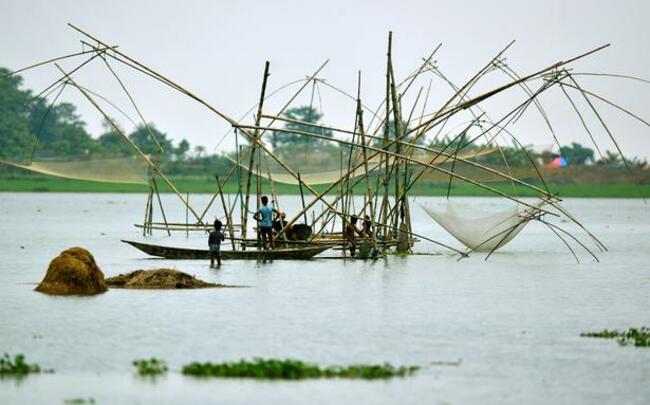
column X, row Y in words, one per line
column 159, row 278
column 73, row 272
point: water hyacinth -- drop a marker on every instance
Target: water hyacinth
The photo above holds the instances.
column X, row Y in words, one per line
column 17, row 367
column 639, row 337
column 150, row 367
column 289, row 369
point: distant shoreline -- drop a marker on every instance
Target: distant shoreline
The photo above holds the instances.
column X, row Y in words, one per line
column 199, row 185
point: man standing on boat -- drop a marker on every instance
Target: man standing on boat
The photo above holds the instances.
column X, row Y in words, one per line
column 265, row 219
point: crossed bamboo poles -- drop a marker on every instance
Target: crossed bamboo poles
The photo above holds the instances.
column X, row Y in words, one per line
column 255, row 137
column 384, row 153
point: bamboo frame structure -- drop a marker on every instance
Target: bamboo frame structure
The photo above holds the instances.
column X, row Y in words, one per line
column 389, row 214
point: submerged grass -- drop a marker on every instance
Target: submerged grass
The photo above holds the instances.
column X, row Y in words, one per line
column 639, row 337
column 17, row 367
column 288, row 369
column 150, row 367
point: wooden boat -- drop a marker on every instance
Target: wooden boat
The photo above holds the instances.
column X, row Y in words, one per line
column 168, row 252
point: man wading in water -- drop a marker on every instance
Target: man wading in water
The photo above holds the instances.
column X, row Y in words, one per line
column 351, row 232
column 214, row 242
column 265, row 217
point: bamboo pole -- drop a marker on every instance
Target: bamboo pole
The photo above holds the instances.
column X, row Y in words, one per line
column 427, row 149
column 187, row 216
column 56, row 59
column 152, row 73
column 602, row 122
column 137, row 149
column 384, row 204
column 214, row 196
column 226, row 213
column 274, row 194
column 373, row 229
column 397, row 122
column 582, row 121
column 254, row 143
column 146, row 210
column 61, row 79
column 257, row 209
column 160, row 204
column 407, row 158
column 302, row 198
column 133, row 103
column 493, row 92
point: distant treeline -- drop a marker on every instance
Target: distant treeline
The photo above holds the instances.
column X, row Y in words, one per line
column 32, row 127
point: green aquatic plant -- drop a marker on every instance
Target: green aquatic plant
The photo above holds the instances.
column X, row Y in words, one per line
column 639, row 337
column 17, row 367
column 150, row 367
column 288, row 369
column 603, row 334
column 79, row 401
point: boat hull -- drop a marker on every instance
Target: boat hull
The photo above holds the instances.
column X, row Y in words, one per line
column 176, row 253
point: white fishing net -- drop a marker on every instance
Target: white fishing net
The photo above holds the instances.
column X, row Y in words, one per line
column 477, row 229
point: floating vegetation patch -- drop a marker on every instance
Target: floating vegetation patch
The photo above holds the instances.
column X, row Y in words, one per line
column 158, row 279
column 17, row 367
column 79, row 401
column 274, row 369
column 150, row 367
column 639, row 337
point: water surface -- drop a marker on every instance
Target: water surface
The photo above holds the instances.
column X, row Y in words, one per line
column 513, row 322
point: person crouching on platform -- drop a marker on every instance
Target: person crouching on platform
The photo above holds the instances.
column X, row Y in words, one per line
column 279, row 223
column 214, row 242
column 265, row 217
column 367, row 226
column 351, row 232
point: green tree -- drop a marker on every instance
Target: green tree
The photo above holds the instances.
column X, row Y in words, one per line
column 577, row 154
column 60, row 131
column 111, row 143
column 282, row 139
column 181, row 150
column 611, row 159
column 144, row 139
column 15, row 138
column 199, row 151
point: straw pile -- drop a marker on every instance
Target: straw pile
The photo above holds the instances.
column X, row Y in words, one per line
column 159, row 279
column 73, row 272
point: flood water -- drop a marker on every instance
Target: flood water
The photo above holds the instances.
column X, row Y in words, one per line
column 509, row 325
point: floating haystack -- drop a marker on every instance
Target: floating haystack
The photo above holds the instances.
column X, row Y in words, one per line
column 73, row 272
column 158, row 279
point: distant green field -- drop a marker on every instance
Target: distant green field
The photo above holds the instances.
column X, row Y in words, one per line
column 204, row 185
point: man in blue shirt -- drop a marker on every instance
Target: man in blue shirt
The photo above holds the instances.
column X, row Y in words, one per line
column 265, row 226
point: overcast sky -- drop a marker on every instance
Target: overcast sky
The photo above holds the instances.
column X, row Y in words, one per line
column 217, row 49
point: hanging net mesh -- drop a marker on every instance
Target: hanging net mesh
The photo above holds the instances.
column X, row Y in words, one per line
column 319, row 167
column 479, row 230
column 131, row 169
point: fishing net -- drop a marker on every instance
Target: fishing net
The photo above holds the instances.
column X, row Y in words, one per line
column 479, row 230
column 325, row 168
column 130, row 169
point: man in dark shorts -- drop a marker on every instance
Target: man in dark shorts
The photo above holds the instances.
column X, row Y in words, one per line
column 214, row 242
column 351, row 232
column 265, row 226
column 367, row 226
